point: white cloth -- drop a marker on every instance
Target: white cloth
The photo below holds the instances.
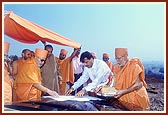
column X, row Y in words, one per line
column 78, row 66
column 98, row 73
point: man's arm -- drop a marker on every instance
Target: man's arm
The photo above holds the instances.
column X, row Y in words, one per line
column 101, row 75
column 81, row 80
column 44, row 89
column 73, row 54
column 14, row 69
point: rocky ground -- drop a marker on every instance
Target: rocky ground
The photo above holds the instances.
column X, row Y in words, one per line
column 155, row 89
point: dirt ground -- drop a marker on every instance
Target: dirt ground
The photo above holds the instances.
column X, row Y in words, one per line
column 155, row 89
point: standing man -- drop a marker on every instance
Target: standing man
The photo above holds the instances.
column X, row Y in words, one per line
column 130, row 80
column 7, row 80
column 95, row 70
column 66, row 69
column 78, row 69
column 28, row 81
column 50, row 72
column 108, row 62
column 17, row 66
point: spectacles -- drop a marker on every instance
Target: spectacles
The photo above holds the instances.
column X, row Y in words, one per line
column 117, row 58
column 62, row 54
column 42, row 60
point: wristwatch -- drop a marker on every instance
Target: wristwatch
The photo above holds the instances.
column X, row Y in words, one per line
column 72, row 88
column 84, row 89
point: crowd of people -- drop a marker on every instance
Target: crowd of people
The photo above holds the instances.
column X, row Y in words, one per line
column 40, row 73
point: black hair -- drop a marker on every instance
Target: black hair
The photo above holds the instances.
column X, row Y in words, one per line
column 50, row 46
column 23, row 51
column 84, row 55
column 77, row 48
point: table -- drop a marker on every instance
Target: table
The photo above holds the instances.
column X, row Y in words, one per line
column 48, row 104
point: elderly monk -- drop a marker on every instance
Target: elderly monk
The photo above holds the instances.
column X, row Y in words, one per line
column 28, row 81
column 66, row 69
column 130, row 81
column 106, row 58
column 7, row 79
column 50, row 71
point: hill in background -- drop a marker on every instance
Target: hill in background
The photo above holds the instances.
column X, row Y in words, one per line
column 154, row 69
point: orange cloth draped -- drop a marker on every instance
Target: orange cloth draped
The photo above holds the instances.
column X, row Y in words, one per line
column 19, row 64
column 7, row 86
column 67, row 72
column 126, row 77
column 24, row 81
column 25, row 31
column 111, row 66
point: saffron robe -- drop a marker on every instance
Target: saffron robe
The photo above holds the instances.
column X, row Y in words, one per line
column 67, row 73
column 17, row 66
column 18, row 63
column 7, row 86
column 126, row 77
column 111, row 66
column 29, row 74
column 50, row 74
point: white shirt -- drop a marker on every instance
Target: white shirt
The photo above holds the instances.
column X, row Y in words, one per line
column 98, row 73
column 78, row 66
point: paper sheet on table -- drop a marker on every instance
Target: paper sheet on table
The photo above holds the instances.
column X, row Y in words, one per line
column 65, row 98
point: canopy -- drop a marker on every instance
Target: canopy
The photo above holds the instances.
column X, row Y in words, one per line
column 25, row 31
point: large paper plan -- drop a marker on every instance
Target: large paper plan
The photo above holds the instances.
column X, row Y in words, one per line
column 64, row 98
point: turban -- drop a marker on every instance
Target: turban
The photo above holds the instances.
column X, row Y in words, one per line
column 6, row 47
column 40, row 53
column 63, row 51
column 105, row 55
column 121, row 52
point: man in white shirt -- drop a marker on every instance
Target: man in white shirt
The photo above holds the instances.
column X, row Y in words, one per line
column 97, row 70
column 78, row 69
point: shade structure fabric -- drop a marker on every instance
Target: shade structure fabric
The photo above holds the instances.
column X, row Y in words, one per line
column 25, row 31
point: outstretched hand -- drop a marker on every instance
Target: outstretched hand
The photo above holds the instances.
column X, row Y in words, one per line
column 80, row 93
column 119, row 93
column 69, row 91
column 97, row 89
column 53, row 93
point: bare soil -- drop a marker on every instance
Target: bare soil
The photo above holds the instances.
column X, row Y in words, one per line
column 155, row 89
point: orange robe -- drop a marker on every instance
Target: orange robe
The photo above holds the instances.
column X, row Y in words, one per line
column 67, row 72
column 111, row 66
column 19, row 63
column 29, row 74
column 7, row 86
column 126, row 77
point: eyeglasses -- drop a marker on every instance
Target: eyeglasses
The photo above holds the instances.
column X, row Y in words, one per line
column 62, row 54
column 42, row 60
column 117, row 58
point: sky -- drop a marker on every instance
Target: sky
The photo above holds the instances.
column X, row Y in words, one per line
column 99, row 27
